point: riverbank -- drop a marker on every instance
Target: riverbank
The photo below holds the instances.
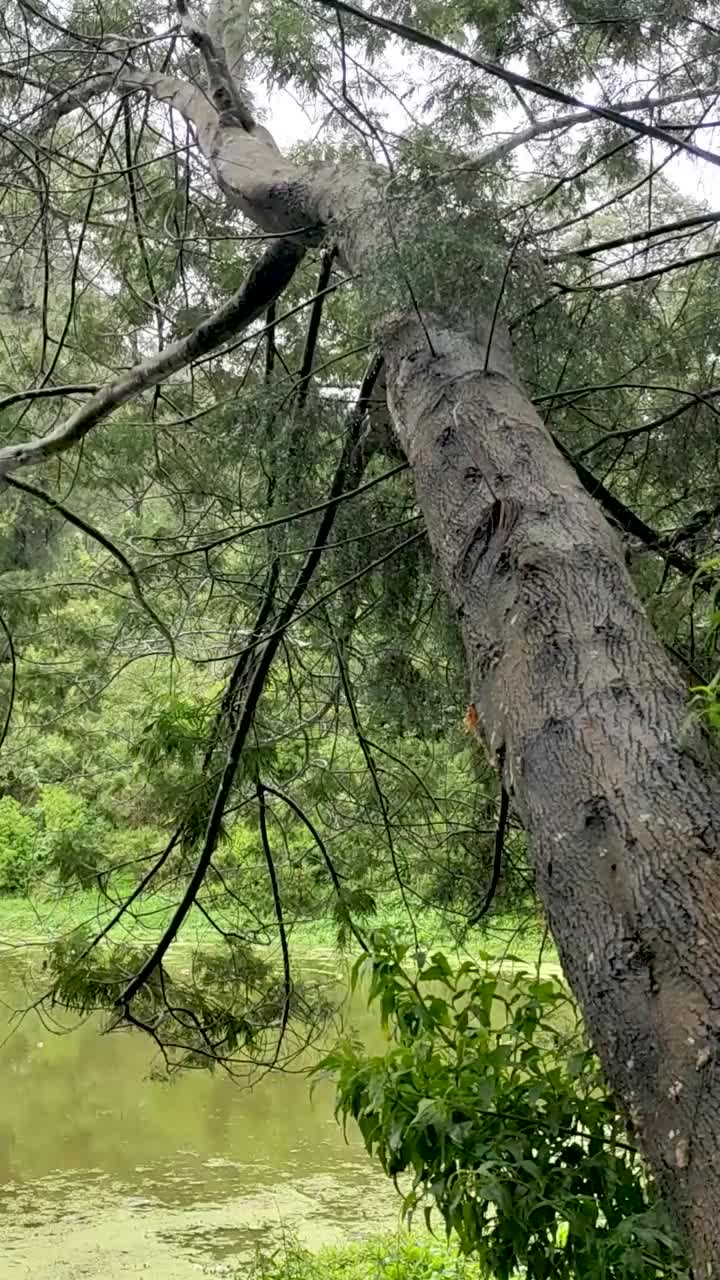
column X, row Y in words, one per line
column 41, row 919
column 395, row 1257
column 109, row 1171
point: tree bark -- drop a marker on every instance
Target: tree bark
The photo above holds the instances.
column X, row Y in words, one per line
column 586, row 721
column 579, row 709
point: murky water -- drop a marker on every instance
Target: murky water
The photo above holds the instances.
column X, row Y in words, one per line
column 105, row 1173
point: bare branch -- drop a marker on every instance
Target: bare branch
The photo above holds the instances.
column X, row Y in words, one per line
column 567, row 121
column 634, row 237
column 691, row 261
column 266, row 281
column 43, row 393
column 169, row 90
column 646, row 428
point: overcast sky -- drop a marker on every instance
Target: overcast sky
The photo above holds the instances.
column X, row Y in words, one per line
column 289, row 123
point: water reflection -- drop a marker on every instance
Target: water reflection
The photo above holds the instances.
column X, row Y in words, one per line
column 105, row 1172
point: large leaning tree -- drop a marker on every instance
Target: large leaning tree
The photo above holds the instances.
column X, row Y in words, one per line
column 532, row 284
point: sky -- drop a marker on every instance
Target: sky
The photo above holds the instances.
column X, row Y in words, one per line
column 290, row 122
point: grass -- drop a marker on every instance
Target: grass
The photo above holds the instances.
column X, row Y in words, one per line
column 42, row 918
column 401, row 1257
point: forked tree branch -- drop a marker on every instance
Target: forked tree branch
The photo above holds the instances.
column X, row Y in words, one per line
column 553, row 124
column 698, row 220
column 229, row 102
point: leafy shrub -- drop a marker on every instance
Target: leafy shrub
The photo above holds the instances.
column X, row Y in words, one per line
column 382, row 1258
column 74, row 840
column 490, row 1100
column 18, row 847
column 130, row 844
column 176, row 733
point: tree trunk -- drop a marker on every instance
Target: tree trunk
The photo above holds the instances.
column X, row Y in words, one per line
column 585, row 720
column 579, row 708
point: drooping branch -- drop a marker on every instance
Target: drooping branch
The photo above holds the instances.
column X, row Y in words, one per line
column 10, row 703
column 269, row 645
column 266, row 281
column 279, row 916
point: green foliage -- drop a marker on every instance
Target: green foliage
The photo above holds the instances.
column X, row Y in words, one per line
column 107, row 261
column 705, row 702
column 18, row 847
column 380, row 1258
column 175, row 733
column 230, row 999
column 490, row 1101
column 74, row 838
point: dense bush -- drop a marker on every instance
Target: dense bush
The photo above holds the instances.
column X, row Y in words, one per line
column 63, row 840
column 491, row 1104
column 74, row 838
column 18, row 847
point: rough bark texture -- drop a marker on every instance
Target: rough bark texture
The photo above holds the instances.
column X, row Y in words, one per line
column 584, row 716
column 578, row 705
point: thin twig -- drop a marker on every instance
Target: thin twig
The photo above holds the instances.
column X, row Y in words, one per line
column 98, row 536
column 415, row 36
column 497, row 859
column 13, row 681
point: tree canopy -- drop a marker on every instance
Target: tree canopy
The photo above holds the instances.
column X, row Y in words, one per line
column 234, row 682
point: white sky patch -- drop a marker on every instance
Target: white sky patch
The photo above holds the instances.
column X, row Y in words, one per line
column 291, row 121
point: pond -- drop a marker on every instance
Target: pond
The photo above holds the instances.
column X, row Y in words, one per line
column 106, row 1173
